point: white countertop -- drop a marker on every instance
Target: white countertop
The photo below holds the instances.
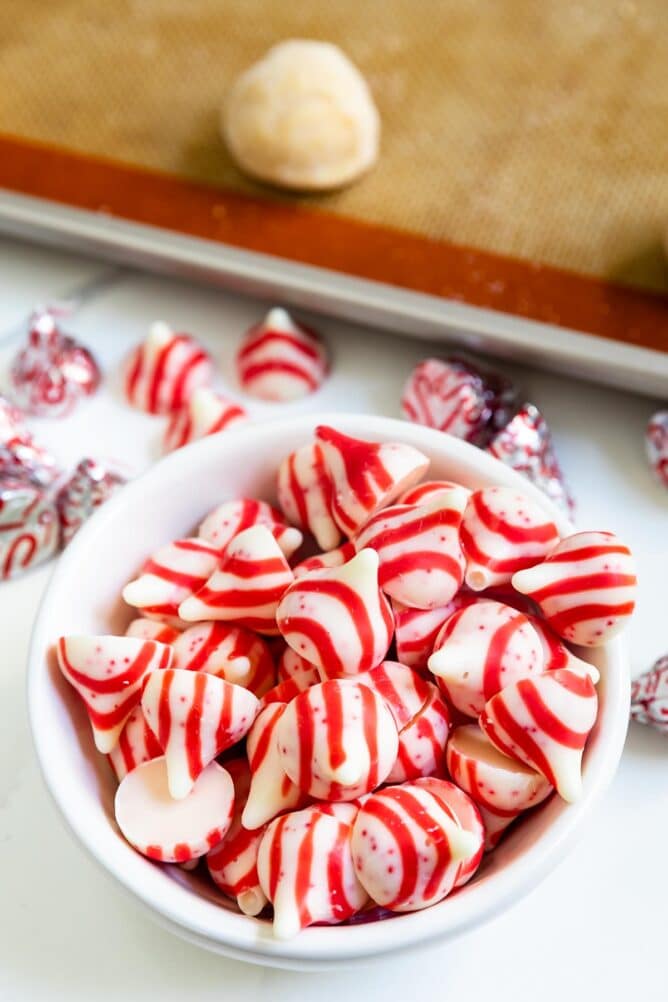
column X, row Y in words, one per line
column 598, row 924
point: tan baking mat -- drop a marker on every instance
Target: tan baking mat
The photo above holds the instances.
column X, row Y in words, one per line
column 533, row 128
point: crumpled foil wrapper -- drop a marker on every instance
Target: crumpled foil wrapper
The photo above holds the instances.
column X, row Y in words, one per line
column 91, row 484
column 656, row 444
column 53, row 370
column 526, row 444
column 649, row 696
column 29, row 526
column 20, row 456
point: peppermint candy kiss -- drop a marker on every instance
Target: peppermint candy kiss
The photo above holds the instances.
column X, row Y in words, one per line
column 163, row 372
column 407, row 845
column 430, row 490
column 480, row 650
column 421, row 561
column 338, row 619
column 556, row 654
column 195, row 717
column 271, row 789
column 204, row 413
column 446, row 395
column 168, row 830
column 305, row 494
column 649, row 696
column 295, row 851
column 230, row 518
column 545, row 722
column 366, row 476
column 422, row 741
column 230, row 652
column 656, row 444
column 416, row 630
column 280, row 360
column 136, row 744
column 108, row 673
column 169, row 576
column 152, row 629
column 460, row 806
column 233, row 862
column 500, row 784
column 503, row 532
column 337, row 740
column 332, row 558
column 295, row 668
column 585, row 588
column 248, row 585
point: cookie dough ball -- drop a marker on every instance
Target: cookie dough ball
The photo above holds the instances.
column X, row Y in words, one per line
column 302, row 117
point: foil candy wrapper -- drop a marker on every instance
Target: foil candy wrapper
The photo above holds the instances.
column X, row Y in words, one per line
column 456, row 396
column 526, row 444
column 29, row 526
column 656, row 444
column 91, row 484
column 53, row 370
column 649, row 696
column 20, row 456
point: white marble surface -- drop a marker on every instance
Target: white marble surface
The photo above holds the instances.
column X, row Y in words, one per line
column 598, row 925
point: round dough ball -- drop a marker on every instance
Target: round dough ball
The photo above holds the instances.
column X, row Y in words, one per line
column 302, row 117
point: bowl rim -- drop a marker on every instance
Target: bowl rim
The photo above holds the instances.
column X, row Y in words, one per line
column 207, row 924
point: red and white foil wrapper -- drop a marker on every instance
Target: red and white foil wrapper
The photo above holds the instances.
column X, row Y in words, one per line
column 280, row 360
column 204, row 413
column 649, row 696
column 91, row 484
column 454, row 396
column 526, row 445
column 295, row 853
column 163, row 371
column 29, row 530
column 656, row 444
column 53, row 371
column 20, row 456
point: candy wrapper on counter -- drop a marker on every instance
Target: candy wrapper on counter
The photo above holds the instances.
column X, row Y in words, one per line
column 20, row 456
column 29, row 527
column 458, row 397
column 53, row 370
column 91, row 484
column 656, row 443
column 649, row 696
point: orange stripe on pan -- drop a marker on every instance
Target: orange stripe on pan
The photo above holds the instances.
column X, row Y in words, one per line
column 315, row 237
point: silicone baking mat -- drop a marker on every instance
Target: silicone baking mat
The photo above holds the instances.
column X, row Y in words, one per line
column 524, row 161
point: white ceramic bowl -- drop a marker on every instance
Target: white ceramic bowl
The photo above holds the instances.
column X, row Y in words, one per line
column 83, row 596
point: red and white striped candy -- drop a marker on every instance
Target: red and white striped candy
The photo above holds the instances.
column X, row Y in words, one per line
column 556, row 654
column 503, row 532
column 195, row 717
column 168, row 830
column 281, row 360
column 291, row 666
column 422, row 741
column 430, row 490
column 164, row 371
column 306, row 868
column 501, row 785
column 333, row 558
column 445, row 395
column 338, row 619
column 481, row 649
column 421, row 560
column 170, row 575
column 462, row 807
column 152, row 629
column 204, row 413
column 231, row 517
column 366, row 476
column 230, row 652
column 407, row 846
column 136, row 744
column 415, row 630
column 284, row 692
column 305, row 494
column 233, row 862
column 496, row 825
column 585, row 588
column 337, row 740
column 545, row 722
column 404, row 692
column 108, row 673
column 271, row 790
column 252, row 577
